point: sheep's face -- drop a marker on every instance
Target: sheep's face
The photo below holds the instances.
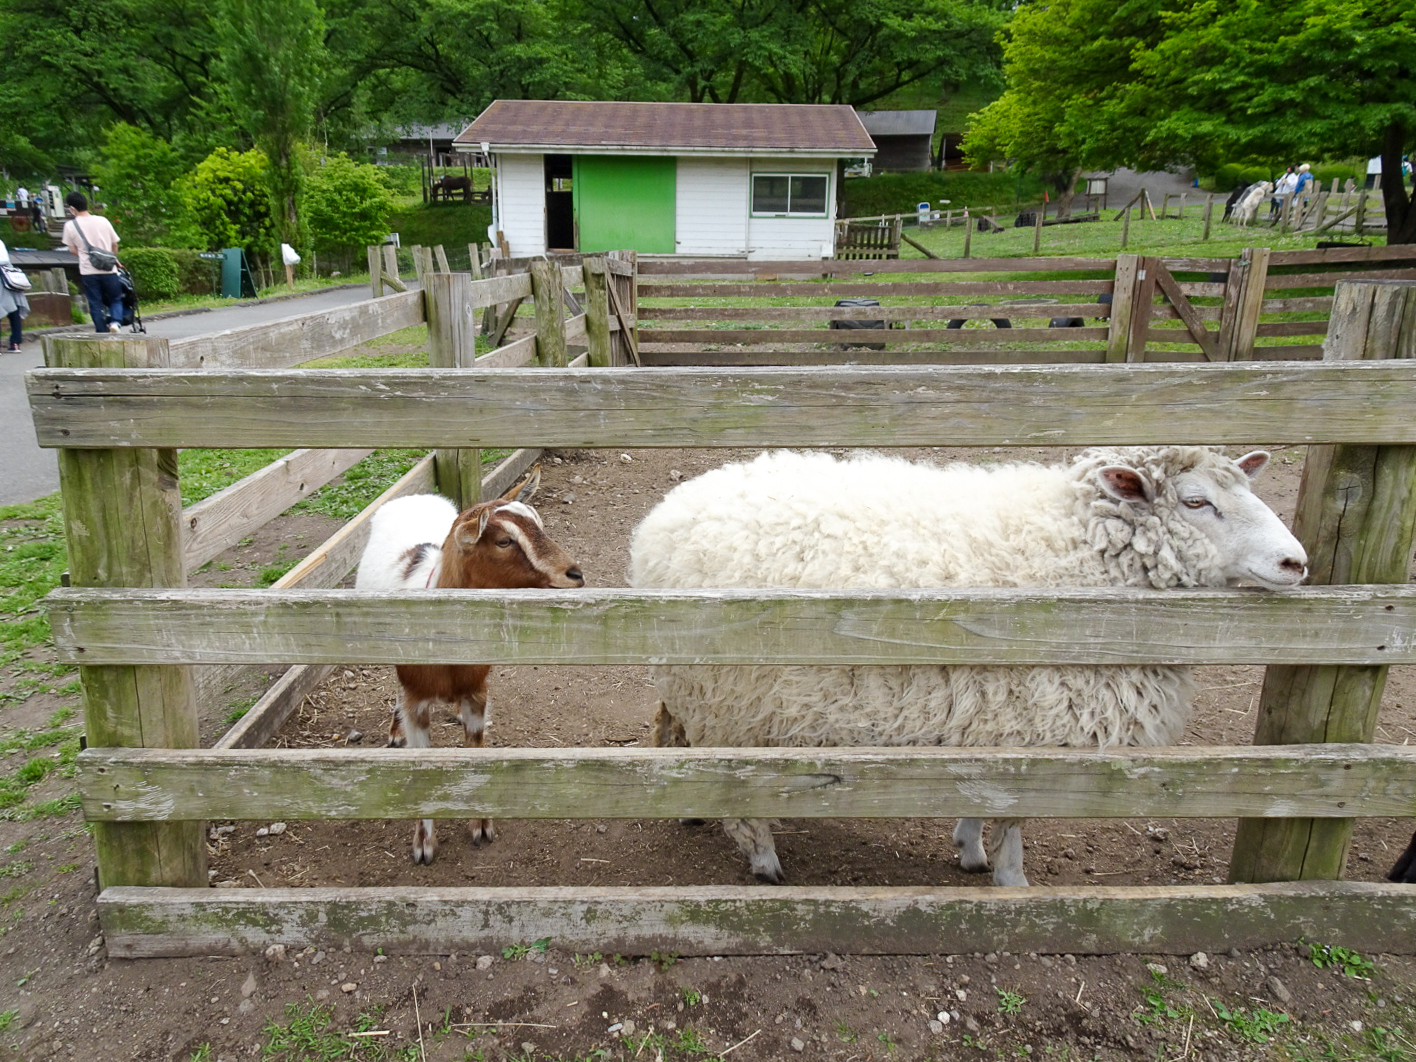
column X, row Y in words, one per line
column 502, row 544
column 1248, row 542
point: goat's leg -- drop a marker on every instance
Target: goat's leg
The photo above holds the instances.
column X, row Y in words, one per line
column 968, row 835
column 410, row 729
column 754, row 838
column 472, row 710
column 1005, row 849
column 668, row 733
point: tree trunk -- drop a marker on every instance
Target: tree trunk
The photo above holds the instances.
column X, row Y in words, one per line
column 1396, row 194
column 1064, row 199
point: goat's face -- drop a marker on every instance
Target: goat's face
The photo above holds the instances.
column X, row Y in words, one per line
column 502, row 544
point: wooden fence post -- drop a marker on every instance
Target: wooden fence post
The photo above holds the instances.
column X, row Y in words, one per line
column 452, row 344
column 624, row 301
column 1209, row 216
column 546, row 289
column 1123, row 295
column 1356, row 517
column 376, row 288
column 1142, row 309
column 597, row 312
column 1126, row 228
column 1243, row 299
column 122, row 525
column 1037, row 229
column 968, row 233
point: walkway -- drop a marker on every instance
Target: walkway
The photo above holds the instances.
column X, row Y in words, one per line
column 30, row 472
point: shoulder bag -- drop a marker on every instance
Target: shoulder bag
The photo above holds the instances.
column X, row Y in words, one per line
column 104, row 260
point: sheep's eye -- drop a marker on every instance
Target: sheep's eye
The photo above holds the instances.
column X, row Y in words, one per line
column 1194, row 503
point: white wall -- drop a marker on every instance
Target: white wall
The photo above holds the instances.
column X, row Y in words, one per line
column 711, row 215
column 521, row 202
column 789, row 238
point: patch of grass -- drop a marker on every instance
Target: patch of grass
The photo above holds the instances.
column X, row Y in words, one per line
column 1257, row 1026
column 309, row 1033
column 1010, row 1002
column 1334, row 956
column 520, row 951
column 663, row 959
column 7, row 1019
column 32, row 558
column 691, row 996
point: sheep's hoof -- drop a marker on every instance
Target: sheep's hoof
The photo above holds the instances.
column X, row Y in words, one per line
column 767, row 869
column 973, row 866
column 692, row 822
column 1014, row 879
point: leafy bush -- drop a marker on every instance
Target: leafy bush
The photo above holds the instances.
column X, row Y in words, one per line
column 195, row 275
column 228, row 202
column 139, row 176
column 154, row 272
column 1228, row 176
column 346, row 205
column 898, row 193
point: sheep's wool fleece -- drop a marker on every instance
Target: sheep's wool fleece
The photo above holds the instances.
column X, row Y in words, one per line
column 807, row 520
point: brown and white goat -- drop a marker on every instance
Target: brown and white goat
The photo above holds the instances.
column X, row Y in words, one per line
column 499, row 544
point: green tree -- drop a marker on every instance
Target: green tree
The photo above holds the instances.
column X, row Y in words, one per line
column 138, row 176
column 347, row 206
column 228, row 203
column 273, row 59
column 1306, row 79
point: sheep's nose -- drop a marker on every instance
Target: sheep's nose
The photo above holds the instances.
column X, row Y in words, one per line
column 1294, row 564
column 575, row 576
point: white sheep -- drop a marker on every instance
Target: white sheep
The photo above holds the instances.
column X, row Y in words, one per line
column 1157, row 517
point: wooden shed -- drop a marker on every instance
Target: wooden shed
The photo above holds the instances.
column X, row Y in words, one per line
column 697, row 179
column 904, row 139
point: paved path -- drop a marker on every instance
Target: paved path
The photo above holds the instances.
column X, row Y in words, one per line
column 27, row 472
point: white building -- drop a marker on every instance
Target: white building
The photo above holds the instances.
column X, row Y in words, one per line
column 740, row 180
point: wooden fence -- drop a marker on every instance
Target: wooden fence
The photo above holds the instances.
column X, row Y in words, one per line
column 135, row 633
column 1003, row 310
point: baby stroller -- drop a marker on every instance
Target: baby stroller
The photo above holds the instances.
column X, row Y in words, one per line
column 131, row 318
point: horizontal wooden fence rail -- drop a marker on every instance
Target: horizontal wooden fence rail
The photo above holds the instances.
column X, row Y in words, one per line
column 1366, row 402
column 746, row 920
column 1280, row 781
column 1317, row 625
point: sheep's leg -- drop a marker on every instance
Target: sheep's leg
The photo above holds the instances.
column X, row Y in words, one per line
column 754, row 837
column 968, row 835
column 1005, row 848
column 410, row 729
column 473, row 713
column 668, row 733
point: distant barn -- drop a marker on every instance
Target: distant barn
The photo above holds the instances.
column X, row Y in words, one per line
column 903, row 139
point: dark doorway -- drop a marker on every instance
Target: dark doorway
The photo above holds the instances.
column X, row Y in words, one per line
column 560, row 204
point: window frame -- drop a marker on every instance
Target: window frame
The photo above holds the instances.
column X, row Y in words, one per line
column 788, row 213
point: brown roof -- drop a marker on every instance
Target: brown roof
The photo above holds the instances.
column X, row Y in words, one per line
column 693, row 128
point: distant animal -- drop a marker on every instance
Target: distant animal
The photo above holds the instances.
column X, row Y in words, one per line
column 449, row 183
column 421, row 542
column 1248, row 205
column 1152, row 517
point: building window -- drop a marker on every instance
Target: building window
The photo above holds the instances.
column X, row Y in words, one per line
column 789, row 194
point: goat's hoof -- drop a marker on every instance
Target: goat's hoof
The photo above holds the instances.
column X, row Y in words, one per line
column 692, row 822
column 483, row 832
column 424, row 857
column 396, row 743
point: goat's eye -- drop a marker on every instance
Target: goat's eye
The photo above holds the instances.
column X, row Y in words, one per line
column 503, row 543
column 1194, row 503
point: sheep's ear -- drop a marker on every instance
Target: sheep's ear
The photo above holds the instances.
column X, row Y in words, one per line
column 1253, row 463
column 1126, row 484
column 526, row 489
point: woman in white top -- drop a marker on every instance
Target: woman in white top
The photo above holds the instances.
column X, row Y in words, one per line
column 13, row 305
column 105, row 293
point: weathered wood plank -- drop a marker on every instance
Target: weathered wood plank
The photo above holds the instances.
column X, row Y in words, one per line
column 1003, row 337
column 298, row 339
column 1328, row 781
column 835, row 266
column 1319, row 280
column 744, row 356
column 1357, row 625
column 217, row 523
column 841, row 289
column 1344, row 254
column 871, row 313
column 747, row 920
column 889, row 406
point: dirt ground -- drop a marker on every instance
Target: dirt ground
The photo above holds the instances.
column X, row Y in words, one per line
column 62, row 997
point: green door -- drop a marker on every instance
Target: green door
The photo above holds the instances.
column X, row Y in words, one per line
column 625, row 202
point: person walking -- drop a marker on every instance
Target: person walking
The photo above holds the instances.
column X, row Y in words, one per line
column 13, row 305
column 86, row 232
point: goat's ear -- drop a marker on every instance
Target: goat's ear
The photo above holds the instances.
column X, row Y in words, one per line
column 462, row 533
column 526, row 489
column 482, row 518
column 1126, row 484
column 1252, row 464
